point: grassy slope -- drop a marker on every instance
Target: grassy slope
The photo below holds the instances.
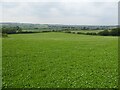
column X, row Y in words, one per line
column 60, row 60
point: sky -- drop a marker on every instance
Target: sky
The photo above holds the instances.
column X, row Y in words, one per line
column 60, row 12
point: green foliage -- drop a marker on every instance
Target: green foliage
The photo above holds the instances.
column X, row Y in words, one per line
column 104, row 33
column 11, row 30
column 46, row 31
column 90, row 33
column 59, row 60
column 113, row 32
column 80, row 33
column 4, row 35
column 85, row 32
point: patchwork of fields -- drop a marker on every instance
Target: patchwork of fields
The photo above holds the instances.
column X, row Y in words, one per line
column 51, row 60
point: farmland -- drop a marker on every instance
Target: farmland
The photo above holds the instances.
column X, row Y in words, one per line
column 88, row 31
column 59, row 60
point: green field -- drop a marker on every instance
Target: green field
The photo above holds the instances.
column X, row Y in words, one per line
column 88, row 31
column 59, row 60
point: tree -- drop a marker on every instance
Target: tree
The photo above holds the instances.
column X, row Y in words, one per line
column 11, row 30
column 115, row 32
column 104, row 33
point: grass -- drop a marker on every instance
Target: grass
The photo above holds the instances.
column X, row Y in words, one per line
column 59, row 60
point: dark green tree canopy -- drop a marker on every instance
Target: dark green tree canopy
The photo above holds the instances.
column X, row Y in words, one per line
column 11, row 30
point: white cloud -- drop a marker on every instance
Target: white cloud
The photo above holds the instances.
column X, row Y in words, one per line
column 61, row 12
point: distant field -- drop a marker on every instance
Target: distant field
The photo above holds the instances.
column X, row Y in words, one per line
column 89, row 31
column 53, row 60
column 84, row 31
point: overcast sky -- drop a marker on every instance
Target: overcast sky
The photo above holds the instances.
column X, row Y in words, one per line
column 87, row 13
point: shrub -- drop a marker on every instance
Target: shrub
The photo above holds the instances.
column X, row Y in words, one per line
column 11, row 29
column 4, row 35
column 27, row 32
column 104, row 33
column 92, row 33
column 67, row 31
column 88, row 33
column 46, row 31
column 115, row 32
column 73, row 32
column 80, row 33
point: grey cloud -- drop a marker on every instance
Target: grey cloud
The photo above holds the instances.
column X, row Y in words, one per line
column 62, row 12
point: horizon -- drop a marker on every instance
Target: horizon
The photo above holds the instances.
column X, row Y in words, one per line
column 55, row 24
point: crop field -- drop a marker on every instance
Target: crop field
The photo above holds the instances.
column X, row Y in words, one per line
column 59, row 60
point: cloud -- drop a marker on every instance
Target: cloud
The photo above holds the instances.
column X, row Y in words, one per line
column 59, row 1
column 61, row 12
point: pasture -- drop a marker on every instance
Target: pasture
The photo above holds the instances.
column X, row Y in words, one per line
column 88, row 31
column 59, row 60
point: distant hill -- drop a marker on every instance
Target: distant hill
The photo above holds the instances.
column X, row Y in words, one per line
column 30, row 26
column 25, row 26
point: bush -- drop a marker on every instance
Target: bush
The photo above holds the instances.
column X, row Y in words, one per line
column 88, row 33
column 28, row 32
column 92, row 33
column 4, row 35
column 11, row 29
column 80, row 33
column 115, row 32
column 73, row 32
column 67, row 31
column 104, row 33
column 45, row 31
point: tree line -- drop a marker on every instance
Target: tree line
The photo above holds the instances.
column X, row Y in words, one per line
column 16, row 29
column 113, row 32
column 10, row 30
